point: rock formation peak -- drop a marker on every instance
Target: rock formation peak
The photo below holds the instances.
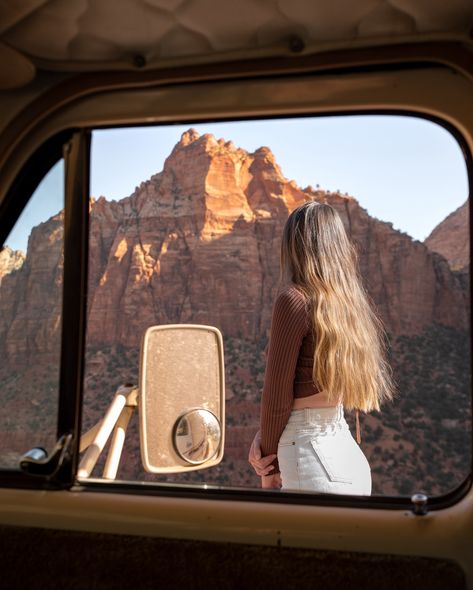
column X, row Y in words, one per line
column 262, row 152
column 188, row 137
column 207, row 142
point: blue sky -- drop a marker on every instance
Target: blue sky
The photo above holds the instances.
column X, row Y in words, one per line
column 405, row 170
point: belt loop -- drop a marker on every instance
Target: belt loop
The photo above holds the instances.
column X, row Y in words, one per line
column 306, row 415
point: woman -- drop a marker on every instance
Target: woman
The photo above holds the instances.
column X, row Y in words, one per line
column 326, row 352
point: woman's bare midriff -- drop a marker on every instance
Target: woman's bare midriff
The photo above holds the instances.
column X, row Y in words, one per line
column 317, row 400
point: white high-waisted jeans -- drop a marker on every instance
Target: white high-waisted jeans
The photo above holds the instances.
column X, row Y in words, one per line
column 317, row 453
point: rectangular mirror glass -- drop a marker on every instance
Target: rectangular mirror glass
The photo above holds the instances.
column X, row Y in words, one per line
column 181, row 398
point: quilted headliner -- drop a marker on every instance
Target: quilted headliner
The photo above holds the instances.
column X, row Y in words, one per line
column 67, row 35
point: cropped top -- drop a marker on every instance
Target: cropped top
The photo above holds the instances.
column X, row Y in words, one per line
column 289, row 366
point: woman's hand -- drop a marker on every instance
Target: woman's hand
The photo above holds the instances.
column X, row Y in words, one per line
column 272, row 481
column 260, row 464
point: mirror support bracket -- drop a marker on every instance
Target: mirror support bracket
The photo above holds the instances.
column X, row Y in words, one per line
column 116, row 419
column 37, row 461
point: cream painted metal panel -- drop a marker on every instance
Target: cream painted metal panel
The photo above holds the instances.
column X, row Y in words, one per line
column 82, row 35
column 443, row 533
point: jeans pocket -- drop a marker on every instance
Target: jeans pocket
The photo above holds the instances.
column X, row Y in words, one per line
column 333, row 458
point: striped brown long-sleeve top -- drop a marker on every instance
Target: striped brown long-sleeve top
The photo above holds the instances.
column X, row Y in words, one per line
column 289, row 366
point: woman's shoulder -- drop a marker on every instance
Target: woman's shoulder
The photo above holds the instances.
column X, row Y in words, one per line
column 291, row 298
column 291, row 292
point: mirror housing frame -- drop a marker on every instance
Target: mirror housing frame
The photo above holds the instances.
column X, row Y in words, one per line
column 188, row 403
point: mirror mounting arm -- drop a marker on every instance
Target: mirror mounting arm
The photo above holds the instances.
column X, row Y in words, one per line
column 116, row 419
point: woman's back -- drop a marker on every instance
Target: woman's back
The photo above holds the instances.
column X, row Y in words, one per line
column 306, row 393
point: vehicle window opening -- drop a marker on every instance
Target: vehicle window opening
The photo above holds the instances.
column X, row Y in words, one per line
column 185, row 226
column 195, row 239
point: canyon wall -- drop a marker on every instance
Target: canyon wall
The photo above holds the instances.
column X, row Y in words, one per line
column 451, row 239
column 199, row 242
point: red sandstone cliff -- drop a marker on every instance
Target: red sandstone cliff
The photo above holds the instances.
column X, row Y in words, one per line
column 451, row 239
column 30, row 306
column 199, row 242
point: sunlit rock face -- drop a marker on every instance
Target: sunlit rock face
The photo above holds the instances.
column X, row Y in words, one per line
column 30, row 305
column 199, row 243
column 10, row 261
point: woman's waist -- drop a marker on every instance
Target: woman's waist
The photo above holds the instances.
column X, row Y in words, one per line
column 317, row 415
column 314, row 422
column 316, row 400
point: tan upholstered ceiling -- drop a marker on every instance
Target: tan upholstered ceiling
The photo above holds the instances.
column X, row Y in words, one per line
column 83, row 35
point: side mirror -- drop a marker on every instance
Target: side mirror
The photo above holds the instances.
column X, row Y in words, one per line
column 181, row 398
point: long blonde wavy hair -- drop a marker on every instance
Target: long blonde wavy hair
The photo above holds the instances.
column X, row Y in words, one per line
column 350, row 349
